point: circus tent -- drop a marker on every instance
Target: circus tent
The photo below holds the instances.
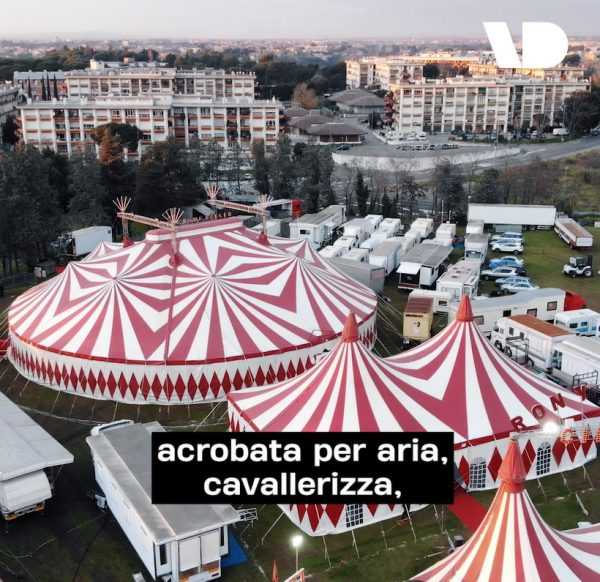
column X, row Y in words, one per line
column 183, row 317
column 514, row 543
column 461, row 377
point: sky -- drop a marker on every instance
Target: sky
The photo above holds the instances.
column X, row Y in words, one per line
column 286, row 18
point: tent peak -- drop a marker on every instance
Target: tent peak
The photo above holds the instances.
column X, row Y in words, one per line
column 350, row 333
column 512, row 471
column 464, row 313
column 263, row 239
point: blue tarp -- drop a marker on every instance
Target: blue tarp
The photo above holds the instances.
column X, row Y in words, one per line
column 236, row 555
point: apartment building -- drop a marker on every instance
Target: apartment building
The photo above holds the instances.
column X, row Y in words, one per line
column 479, row 105
column 9, row 98
column 134, row 79
column 40, row 84
column 560, row 73
column 67, row 126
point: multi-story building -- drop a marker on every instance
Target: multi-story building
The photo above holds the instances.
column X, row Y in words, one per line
column 67, row 126
column 133, row 79
column 480, row 105
column 9, row 98
column 560, row 73
column 39, row 84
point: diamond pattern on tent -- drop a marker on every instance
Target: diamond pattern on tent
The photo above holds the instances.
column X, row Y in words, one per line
column 146, row 388
column 101, row 382
column 134, row 386
column 333, row 511
column 281, row 373
column 215, row 385
column 122, row 384
column 248, row 379
column 259, row 377
column 494, row 464
column 573, row 447
column 111, row 384
column 463, row 469
column 301, row 511
column 203, row 386
column 156, row 387
column 528, row 455
column 558, row 450
column 179, row 387
column 192, row 386
column 291, row 372
column 238, row 381
column 91, row 380
column 226, row 382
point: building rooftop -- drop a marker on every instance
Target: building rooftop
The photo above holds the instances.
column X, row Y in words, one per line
column 26, row 446
column 334, row 129
column 126, row 453
column 586, row 347
column 543, row 327
column 320, row 217
column 429, row 255
column 418, row 304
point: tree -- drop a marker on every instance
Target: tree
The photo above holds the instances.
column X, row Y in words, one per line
column 411, row 191
column 305, row 97
column 388, row 208
column 89, row 198
column 9, row 134
column 326, row 166
column 572, row 60
column 581, row 111
column 487, row 188
column 362, row 193
column 447, row 188
column 282, row 169
column 261, row 168
column 235, row 162
column 165, row 179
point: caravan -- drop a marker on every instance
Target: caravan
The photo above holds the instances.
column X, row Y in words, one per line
column 579, row 321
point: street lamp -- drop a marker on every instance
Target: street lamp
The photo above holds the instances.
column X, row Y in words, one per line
column 296, row 543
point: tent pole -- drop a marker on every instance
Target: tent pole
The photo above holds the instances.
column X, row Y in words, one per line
column 326, row 552
column 542, row 489
column 438, row 518
column 587, row 476
column 412, row 527
column 384, row 538
column 355, row 544
column 262, row 540
column 565, row 482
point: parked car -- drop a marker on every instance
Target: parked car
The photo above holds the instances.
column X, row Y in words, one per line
column 514, row 279
column 510, row 261
column 508, row 235
column 499, row 273
column 507, row 246
column 517, row 287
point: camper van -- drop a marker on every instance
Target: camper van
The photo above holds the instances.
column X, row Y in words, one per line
column 358, row 255
column 387, row 254
column 475, row 227
column 424, row 226
column 476, row 246
column 422, row 265
column 461, row 278
column 330, row 251
column 579, row 321
column 541, row 303
column 528, row 340
column 576, row 361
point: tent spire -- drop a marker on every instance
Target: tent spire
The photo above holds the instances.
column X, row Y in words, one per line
column 464, row 313
column 263, row 239
column 512, row 471
column 350, row 333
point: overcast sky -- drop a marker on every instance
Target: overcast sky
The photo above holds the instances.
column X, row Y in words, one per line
column 286, row 18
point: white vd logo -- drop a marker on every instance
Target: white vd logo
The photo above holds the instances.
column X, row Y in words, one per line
column 544, row 45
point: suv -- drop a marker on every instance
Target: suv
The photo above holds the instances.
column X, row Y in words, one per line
column 508, row 246
column 499, row 273
column 508, row 236
column 506, row 262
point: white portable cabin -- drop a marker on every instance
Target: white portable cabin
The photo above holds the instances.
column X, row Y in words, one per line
column 358, row 255
column 424, row 226
column 422, row 265
column 177, row 542
column 576, row 361
column 573, row 233
column 374, row 221
column 381, row 235
column 370, row 244
column 528, row 339
column 476, row 246
column 358, row 228
column 365, row 273
column 29, row 462
column 461, row 278
column 525, row 215
column 318, row 228
column 346, row 242
column 273, row 227
column 475, row 227
column 387, row 254
column 541, row 303
column 391, row 225
column 579, row 321
column 83, row 241
column 415, row 234
column 331, row 251
column 446, row 230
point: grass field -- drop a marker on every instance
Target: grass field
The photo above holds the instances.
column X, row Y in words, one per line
column 74, row 541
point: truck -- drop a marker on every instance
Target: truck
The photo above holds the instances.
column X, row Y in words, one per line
column 358, row 255
column 579, row 321
column 573, row 233
column 318, row 228
column 579, row 267
column 78, row 243
column 346, row 242
column 387, row 254
column 524, row 215
column 528, row 340
column 365, row 273
column 391, row 225
column 424, row 226
column 541, row 303
column 358, row 228
column 461, row 278
column 576, row 361
column 331, row 251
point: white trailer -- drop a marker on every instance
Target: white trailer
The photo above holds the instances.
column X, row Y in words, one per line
column 528, row 340
column 541, row 303
column 391, row 225
column 424, row 226
column 330, row 251
column 579, row 321
column 476, row 246
column 446, row 230
column 573, row 233
column 365, row 273
column 415, row 234
column 318, row 228
column 381, row 235
column 29, row 462
column 441, row 300
column 358, row 228
column 273, row 227
column 524, row 215
column 387, row 254
column 346, row 242
column 422, row 265
column 358, row 255
column 175, row 542
column 461, row 278
column 79, row 243
column 475, row 227
column 370, row 244
column 374, row 220
column 576, row 361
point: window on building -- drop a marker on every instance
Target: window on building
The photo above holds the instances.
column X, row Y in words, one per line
column 551, row 305
column 544, row 456
column 478, row 319
column 478, row 474
column 507, row 313
column 354, row 515
column 162, row 554
column 532, row 312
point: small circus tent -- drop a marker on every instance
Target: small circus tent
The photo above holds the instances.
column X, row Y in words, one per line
column 183, row 317
column 351, row 389
column 514, row 543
